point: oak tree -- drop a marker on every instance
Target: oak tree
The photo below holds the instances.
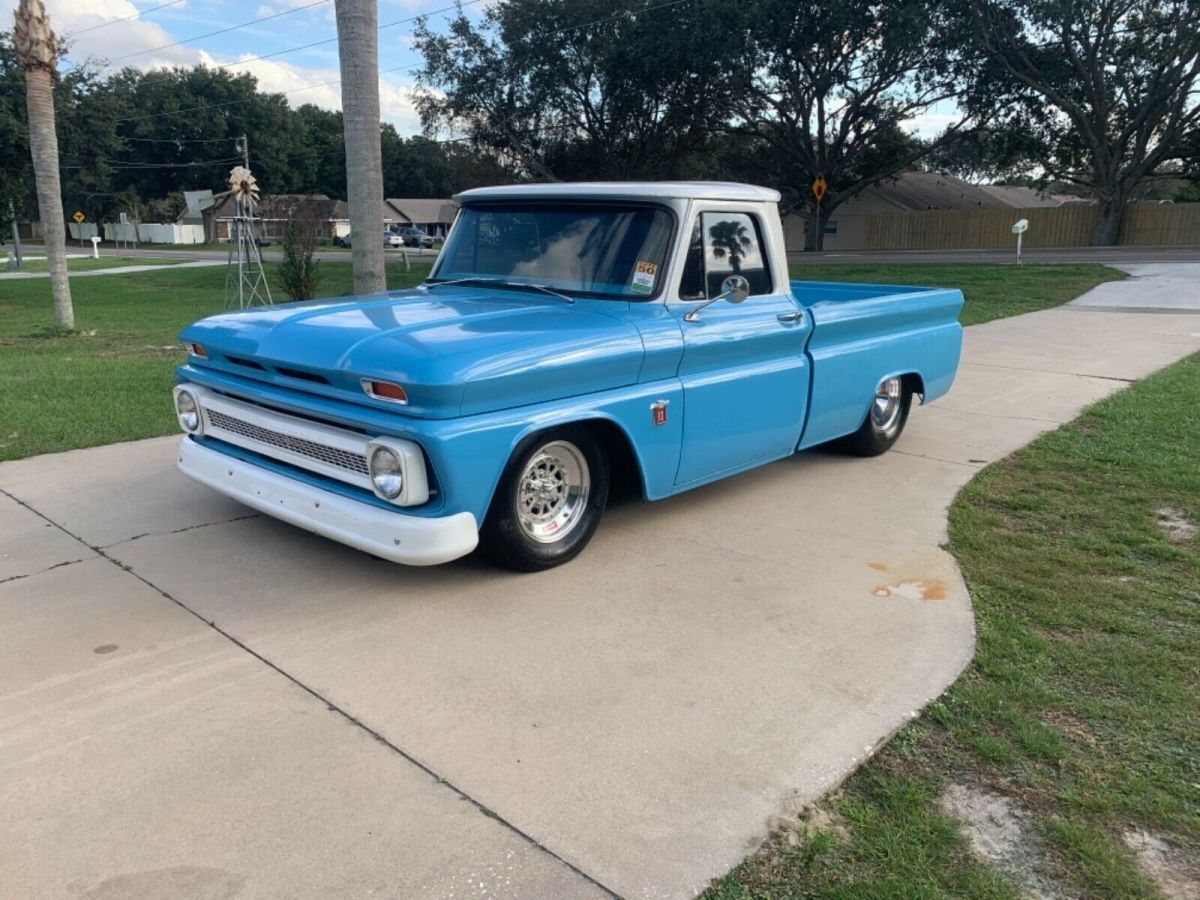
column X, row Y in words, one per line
column 1108, row 88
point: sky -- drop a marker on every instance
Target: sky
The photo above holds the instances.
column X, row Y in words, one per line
column 141, row 34
column 122, row 33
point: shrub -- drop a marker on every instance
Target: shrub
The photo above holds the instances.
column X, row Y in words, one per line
column 299, row 273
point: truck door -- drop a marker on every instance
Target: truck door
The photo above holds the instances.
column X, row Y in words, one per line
column 744, row 371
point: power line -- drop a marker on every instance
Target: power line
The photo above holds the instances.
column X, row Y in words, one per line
column 136, row 15
column 277, row 53
column 287, row 50
column 332, row 40
column 142, row 140
column 306, row 87
column 297, row 158
column 198, row 37
column 564, row 30
column 116, row 165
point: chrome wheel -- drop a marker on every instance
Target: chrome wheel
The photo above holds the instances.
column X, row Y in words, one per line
column 552, row 493
column 887, row 406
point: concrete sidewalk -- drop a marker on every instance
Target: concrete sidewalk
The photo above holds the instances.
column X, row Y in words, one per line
column 116, row 270
column 1149, row 288
column 198, row 701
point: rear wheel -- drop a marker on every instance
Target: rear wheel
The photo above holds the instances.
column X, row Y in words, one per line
column 885, row 420
column 549, row 501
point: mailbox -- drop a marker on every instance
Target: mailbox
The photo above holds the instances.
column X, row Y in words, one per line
column 1020, row 227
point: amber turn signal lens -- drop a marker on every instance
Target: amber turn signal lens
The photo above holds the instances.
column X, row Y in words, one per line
column 385, row 390
column 196, row 350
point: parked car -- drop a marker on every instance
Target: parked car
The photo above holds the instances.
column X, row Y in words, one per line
column 568, row 336
column 392, row 239
column 414, row 237
column 343, row 241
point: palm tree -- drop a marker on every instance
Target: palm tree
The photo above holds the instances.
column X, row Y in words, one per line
column 37, row 54
column 358, row 52
column 729, row 238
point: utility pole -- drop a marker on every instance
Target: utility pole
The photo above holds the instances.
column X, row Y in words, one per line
column 243, row 146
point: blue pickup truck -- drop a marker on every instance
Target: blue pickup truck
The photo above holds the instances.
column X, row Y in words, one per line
column 569, row 338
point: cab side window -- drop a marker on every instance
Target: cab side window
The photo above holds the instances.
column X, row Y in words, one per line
column 724, row 244
column 733, row 246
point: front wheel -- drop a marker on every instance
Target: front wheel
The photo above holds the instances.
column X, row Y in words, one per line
column 549, row 501
column 885, row 420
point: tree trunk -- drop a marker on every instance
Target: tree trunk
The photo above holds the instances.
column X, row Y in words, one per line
column 43, row 145
column 816, row 217
column 1109, row 212
column 358, row 51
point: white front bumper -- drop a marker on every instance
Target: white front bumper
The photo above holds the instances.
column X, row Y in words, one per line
column 395, row 536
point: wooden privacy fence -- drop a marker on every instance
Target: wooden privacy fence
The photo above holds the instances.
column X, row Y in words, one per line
column 1056, row 226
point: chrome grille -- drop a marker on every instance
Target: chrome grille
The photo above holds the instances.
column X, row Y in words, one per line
column 330, row 456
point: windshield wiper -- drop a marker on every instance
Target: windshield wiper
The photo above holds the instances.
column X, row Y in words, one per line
column 500, row 282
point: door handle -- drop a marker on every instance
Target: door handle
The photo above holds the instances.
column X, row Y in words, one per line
column 788, row 318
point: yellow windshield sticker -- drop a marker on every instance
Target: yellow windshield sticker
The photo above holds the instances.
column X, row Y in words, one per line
column 643, row 277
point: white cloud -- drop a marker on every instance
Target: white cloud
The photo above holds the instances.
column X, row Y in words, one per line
column 275, row 76
column 931, row 123
column 396, row 106
column 122, row 38
column 395, row 98
column 118, row 39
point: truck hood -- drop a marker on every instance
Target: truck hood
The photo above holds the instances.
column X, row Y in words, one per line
column 456, row 350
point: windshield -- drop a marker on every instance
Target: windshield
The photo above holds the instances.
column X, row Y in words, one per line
column 609, row 251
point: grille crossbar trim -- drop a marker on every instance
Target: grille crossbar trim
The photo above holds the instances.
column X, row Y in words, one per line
column 335, row 452
column 333, row 456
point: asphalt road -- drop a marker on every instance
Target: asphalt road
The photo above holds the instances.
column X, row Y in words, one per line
column 1107, row 255
column 200, row 701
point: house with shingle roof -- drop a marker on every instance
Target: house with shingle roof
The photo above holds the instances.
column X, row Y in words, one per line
column 911, row 192
column 274, row 211
column 432, row 215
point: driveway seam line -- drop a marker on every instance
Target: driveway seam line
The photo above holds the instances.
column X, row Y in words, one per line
column 329, row 704
column 57, row 565
column 956, row 462
column 146, row 534
column 942, row 407
column 1052, row 372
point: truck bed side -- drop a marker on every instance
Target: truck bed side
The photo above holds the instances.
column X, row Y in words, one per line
column 863, row 333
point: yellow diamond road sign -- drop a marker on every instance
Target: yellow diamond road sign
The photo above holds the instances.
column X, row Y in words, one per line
column 78, row 217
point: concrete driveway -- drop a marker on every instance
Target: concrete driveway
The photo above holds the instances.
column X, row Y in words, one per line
column 196, row 701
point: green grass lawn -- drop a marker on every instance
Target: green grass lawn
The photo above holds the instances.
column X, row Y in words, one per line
column 1082, row 705
column 990, row 291
column 87, row 263
column 110, row 380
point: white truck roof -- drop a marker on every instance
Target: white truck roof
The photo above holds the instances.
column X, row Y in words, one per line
column 624, row 190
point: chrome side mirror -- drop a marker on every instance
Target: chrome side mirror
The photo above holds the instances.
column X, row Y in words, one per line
column 734, row 289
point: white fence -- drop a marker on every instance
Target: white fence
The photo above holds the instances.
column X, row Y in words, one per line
column 81, row 232
column 148, row 233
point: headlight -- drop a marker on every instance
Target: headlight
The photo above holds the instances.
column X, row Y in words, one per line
column 387, row 474
column 187, row 410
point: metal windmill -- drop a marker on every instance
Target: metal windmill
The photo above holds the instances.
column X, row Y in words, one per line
column 245, row 281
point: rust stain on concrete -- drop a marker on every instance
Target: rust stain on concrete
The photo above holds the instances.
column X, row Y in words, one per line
column 926, row 589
